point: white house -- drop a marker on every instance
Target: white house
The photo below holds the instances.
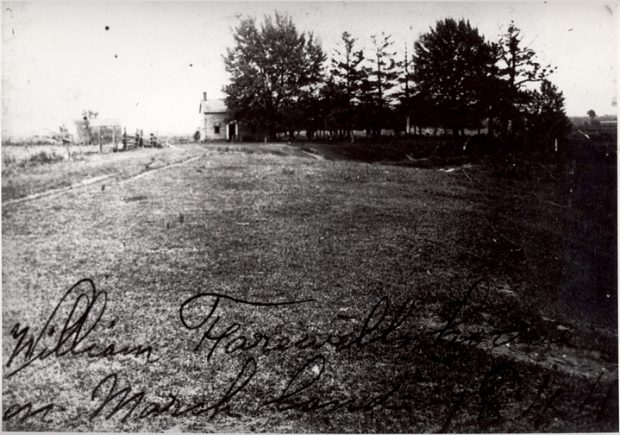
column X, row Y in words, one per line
column 214, row 125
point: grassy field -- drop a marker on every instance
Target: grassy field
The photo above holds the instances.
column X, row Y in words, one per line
column 411, row 300
column 30, row 170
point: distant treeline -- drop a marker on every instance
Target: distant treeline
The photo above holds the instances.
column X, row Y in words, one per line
column 453, row 80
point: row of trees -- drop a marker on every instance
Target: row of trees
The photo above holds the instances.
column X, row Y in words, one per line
column 281, row 82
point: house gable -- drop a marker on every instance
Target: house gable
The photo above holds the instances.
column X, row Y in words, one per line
column 215, row 123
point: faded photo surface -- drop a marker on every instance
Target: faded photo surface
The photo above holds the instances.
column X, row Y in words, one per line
column 351, row 217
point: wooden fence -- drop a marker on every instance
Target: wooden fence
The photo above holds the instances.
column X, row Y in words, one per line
column 129, row 142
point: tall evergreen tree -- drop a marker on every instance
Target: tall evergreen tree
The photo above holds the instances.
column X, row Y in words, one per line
column 518, row 71
column 407, row 101
column 377, row 89
column 347, row 75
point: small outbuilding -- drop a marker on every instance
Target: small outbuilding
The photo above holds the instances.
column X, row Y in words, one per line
column 215, row 125
column 107, row 130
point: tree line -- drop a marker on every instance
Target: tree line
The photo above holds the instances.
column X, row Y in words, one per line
column 453, row 79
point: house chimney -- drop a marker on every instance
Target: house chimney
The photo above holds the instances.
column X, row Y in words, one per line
column 204, row 96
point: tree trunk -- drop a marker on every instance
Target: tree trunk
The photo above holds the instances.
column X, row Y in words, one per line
column 272, row 134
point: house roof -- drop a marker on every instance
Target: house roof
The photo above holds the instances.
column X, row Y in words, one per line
column 217, row 105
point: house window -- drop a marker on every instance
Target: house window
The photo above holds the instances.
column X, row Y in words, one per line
column 216, row 129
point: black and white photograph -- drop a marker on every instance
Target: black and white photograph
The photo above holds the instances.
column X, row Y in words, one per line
column 309, row 216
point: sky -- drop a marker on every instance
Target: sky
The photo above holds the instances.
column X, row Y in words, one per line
column 147, row 64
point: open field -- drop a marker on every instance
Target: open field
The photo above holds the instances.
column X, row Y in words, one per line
column 283, row 292
column 20, row 155
column 26, row 170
